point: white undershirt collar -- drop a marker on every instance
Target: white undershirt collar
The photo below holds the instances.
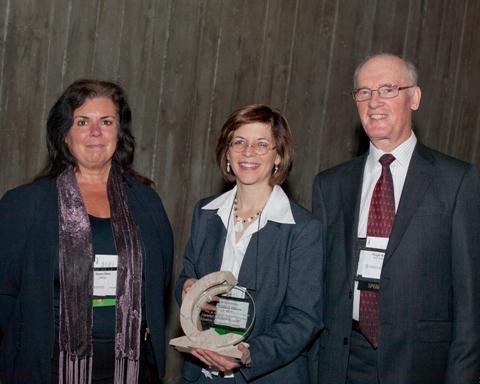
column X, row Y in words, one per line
column 276, row 209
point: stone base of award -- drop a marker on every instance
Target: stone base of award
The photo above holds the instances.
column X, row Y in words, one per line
column 186, row 344
column 223, row 329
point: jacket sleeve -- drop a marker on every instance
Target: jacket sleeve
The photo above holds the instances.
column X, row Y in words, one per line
column 145, row 201
column 301, row 317
column 464, row 354
column 189, row 257
column 166, row 237
column 318, row 209
column 13, row 237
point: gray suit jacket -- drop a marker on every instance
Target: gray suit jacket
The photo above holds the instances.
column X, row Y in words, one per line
column 430, row 282
column 283, row 264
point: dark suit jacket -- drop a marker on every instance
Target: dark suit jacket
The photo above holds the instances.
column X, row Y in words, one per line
column 28, row 246
column 430, row 282
column 285, row 274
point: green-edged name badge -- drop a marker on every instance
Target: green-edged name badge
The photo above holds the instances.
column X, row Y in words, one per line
column 104, row 280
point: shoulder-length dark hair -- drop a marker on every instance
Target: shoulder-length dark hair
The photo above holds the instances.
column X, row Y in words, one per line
column 258, row 113
column 60, row 120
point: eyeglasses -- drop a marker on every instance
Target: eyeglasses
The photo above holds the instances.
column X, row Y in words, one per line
column 260, row 147
column 385, row 92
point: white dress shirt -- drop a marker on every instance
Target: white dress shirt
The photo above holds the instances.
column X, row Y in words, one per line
column 276, row 209
column 371, row 174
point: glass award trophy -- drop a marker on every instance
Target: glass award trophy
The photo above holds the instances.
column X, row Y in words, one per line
column 216, row 315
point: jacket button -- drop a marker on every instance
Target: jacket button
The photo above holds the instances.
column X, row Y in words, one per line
column 350, row 295
column 345, row 341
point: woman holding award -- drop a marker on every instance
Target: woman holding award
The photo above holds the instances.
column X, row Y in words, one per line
column 272, row 246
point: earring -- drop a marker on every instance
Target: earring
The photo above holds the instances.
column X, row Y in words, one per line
column 228, row 166
column 275, row 169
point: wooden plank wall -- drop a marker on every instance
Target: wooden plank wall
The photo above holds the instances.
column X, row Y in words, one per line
column 188, row 63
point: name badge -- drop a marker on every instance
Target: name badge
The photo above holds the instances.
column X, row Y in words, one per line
column 104, row 280
column 370, row 264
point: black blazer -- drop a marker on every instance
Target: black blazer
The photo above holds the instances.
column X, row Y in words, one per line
column 28, row 246
column 283, row 264
column 429, row 304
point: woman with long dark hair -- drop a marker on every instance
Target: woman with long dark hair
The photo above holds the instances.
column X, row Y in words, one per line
column 85, row 253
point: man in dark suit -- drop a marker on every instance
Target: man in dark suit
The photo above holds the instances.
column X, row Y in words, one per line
column 402, row 286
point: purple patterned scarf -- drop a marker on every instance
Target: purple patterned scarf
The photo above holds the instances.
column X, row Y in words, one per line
column 76, row 282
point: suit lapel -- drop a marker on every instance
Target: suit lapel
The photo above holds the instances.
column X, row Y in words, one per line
column 215, row 243
column 51, row 225
column 418, row 178
column 351, row 196
column 260, row 247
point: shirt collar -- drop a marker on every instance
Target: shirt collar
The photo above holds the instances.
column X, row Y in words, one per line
column 403, row 153
column 223, row 204
column 277, row 209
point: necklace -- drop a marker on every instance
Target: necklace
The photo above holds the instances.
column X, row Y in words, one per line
column 240, row 221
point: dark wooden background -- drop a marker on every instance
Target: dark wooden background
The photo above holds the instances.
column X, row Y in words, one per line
column 186, row 64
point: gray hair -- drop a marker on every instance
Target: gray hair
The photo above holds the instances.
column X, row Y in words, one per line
column 411, row 68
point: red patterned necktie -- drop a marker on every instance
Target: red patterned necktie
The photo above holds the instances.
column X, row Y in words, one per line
column 380, row 222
